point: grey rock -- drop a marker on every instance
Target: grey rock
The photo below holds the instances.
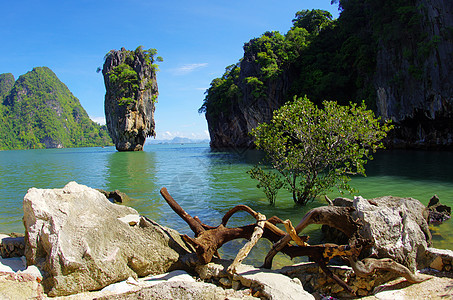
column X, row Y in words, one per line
column 439, row 259
column 12, row 246
column 438, row 212
column 397, row 226
column 75, row 236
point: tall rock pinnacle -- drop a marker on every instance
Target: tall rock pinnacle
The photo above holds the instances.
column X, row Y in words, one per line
column 131, row 92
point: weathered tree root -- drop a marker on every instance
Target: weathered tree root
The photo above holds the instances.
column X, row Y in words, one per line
column 302, row 242
column 334, row 216
column 209, row 239
column 369, row 265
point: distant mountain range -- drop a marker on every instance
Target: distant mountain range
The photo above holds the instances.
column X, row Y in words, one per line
column 38, row 111
column 177, row 140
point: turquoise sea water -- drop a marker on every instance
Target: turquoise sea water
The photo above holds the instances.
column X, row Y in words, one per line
column 208, row 183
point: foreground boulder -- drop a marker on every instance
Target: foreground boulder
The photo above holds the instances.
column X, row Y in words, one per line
column 397, row 228
column 81, row 241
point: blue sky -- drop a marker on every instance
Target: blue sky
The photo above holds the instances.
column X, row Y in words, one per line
column 197, row 40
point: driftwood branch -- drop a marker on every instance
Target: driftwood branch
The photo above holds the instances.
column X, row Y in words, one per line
column 334, row 216
column 257, row 233
column 369, row 265
column 209, row 239
column 196, row 227
column 292, row 232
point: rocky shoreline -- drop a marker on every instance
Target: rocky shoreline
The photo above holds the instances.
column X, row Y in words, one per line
column 79, row 245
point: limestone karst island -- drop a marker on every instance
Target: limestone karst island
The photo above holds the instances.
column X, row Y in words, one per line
column 312, row 163
column 131, row 93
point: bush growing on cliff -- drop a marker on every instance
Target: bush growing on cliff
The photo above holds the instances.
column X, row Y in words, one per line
column 126, row 78
column 315, row 149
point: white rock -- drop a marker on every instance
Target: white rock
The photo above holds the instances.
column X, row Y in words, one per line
column 131, row 220
column 32, row 270
column 177, row 275
column 271, row 284
column 121, row 287
column 391, row 295
column 396, row 226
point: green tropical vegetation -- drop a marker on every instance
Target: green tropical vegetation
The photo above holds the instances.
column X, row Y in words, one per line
column 269, row 181
column 39, row 111
column 315, row 149
column 126, row 79
column 326, row 58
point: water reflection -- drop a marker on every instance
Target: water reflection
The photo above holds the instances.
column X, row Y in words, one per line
column 134, row 173
column 412, row 164
column 416, row 174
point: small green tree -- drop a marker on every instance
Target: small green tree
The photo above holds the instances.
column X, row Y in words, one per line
column 317, row 149
column 269, row 181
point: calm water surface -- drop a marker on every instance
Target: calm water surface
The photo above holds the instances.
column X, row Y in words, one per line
column 207, row 184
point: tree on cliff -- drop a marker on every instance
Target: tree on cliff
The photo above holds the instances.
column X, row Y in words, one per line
column 316, row 149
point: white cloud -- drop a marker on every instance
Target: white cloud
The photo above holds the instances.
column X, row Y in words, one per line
column 189, row 68
column 99, row 120
column 201, row 89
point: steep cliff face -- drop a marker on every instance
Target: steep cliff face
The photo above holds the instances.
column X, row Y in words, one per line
column 413, row 79
column 248, row 108
column 395, row 55
column 131, row 92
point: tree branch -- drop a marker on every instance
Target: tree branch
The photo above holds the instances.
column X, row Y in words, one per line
column 334, row 216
